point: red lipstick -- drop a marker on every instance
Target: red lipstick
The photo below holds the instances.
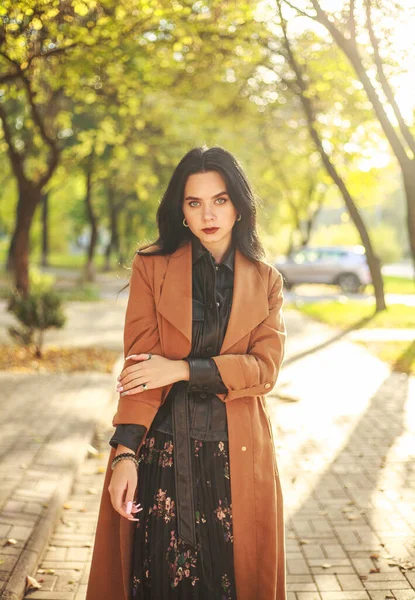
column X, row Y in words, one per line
column 210, row 230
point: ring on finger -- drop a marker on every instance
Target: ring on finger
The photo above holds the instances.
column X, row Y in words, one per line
column 150, row 356
column 144, row 386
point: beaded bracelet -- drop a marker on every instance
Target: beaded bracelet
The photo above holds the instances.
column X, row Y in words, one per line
column 124, row 456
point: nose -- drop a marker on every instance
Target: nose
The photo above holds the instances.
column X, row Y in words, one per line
column 208, row 214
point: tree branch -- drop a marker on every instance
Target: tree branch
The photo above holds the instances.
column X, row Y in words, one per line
column 54, row 150
column 52, row 52
column 352, row 20
column 409, row 138
column 350, row 49
column 36, row 115
column 300, row 12
column 16, row 159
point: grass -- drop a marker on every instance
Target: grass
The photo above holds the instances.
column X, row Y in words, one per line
column 347, row 314
column 395, row 285
column 400, row 355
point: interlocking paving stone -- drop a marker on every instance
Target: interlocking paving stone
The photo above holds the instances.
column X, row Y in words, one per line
column 344, row 458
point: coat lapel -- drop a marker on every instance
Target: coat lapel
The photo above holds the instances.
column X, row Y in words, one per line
column 175, row 302
column 249, row 304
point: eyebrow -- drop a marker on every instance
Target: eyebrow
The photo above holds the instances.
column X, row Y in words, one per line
column 215, row 196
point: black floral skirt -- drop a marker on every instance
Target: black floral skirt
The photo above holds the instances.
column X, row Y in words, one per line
column 164, row 566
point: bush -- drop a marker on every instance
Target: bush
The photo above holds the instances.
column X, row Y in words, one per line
column 40, row 310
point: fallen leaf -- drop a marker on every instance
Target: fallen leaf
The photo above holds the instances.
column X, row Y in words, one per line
column 304, row 541
column 50, row 571
column 11, row 542
column 374, row 555
column 92, row 491
column 92, row 451
column 88, row 545
column 31, row 583
column 377, row 570
column 326, row 565
column 67, row 506
column 101, row 470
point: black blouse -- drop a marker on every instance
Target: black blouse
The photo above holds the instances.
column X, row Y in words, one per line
column 212, row 291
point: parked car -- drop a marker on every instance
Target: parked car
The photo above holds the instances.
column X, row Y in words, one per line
column 344, row 266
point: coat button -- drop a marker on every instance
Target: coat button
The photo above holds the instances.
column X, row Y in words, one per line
column 243, row 448
column 203, row 395
column 206, row 388
column 267, row 386
column 209, row 349
column 193, row 388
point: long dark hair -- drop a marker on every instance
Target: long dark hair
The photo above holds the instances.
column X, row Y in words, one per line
column 172, row 233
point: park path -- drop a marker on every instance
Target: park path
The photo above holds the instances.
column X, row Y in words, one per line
column 344, row 429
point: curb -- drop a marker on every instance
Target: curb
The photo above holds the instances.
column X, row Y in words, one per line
column 35, row 547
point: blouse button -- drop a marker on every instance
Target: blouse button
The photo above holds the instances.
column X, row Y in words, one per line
column 267, row 386
column 217, row 303
column 217, row 268
column 243, row 448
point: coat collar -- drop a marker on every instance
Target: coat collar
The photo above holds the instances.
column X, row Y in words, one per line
column 249, row 304
column 199, row 250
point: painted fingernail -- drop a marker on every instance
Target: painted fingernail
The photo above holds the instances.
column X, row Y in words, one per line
column 129, row 507
column 133, row 519
column 120, row 388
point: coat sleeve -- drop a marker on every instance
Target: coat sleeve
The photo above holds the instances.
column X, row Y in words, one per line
column 255, row 373
column 140, row 335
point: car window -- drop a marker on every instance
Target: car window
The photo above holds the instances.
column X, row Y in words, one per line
column 305, row 256
column 332, row 256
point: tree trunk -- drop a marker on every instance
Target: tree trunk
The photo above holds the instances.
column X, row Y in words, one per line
column 112, row 245
column 406, row 162
column 409, row 185
column 29, row 198
column 301, row 89
column 89, row 267
column 45, row 230
column 10, row 254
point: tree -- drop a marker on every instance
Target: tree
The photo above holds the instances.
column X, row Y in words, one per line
column 344, row 27
column 298, row 82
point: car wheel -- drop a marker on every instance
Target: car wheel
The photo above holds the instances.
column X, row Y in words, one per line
column 349, row 283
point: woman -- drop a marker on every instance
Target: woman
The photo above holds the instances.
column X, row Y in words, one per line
column 202, row 517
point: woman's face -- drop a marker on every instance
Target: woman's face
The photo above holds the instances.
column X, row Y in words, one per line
column 208, row 209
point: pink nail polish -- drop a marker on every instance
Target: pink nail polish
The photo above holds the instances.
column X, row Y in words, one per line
column 129, row 507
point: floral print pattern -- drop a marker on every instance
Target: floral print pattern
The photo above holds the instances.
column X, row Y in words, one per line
column 165, row 566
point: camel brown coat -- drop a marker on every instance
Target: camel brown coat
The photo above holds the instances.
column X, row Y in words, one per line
column 159, row 320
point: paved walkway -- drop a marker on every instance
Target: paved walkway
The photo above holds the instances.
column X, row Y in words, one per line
column 346, row 452
column 344, row 429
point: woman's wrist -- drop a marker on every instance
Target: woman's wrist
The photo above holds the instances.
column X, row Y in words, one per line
column 183, row 370
column 123, row 450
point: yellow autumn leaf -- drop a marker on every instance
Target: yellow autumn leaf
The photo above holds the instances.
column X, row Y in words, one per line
column 36, row 24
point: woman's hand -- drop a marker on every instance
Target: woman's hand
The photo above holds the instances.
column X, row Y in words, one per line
column 154, row 373
column 122, row 489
